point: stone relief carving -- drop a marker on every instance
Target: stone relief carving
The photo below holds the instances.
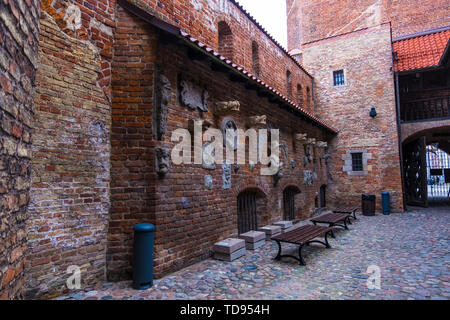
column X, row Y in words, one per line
column 257, row 121
column 229, row 124
column 208, row 182
column 308, row 177
column 321, row 144
column 208, row 157
column 301, row 137
column 277, row 177
column 162, row 161
column 162, row 98
column 226, row 176
column 227, row 107
column 292, row 162
column 193, row 96
column 311, row 141
column 73, row 17
column 308, row 154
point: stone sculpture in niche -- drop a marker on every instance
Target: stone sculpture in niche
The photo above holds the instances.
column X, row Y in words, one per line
column 226, row 176
column 311, row 141
column 229, row 124
column 162, row 161
column 193, row 96
column 308, row 177
column 227, row 108
column 208, row 157
column 162, row 97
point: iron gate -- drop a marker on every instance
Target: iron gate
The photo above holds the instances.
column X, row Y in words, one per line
column 289, row 203
column 415, row 172
column 247, row 216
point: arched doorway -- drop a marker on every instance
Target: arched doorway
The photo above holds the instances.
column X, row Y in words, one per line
column 289, row 202
column 426, row 167
column 251, row 210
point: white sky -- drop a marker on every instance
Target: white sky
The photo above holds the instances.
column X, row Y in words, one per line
column 271, row 14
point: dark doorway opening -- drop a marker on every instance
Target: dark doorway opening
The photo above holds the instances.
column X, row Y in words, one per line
column 247, row 212
column 289, row 202
column 323, row 196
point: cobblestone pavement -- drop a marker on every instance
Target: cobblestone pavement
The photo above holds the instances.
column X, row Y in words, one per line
column 412, row 250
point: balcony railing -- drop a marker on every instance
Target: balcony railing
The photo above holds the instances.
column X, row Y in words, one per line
column 425, row 109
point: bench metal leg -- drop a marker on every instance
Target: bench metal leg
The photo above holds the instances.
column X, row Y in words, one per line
column 354, row 215
column 278, row 257
column 302, row 262
column 299, row 258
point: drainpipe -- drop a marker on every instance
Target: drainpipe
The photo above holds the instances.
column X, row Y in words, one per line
column 399, row 135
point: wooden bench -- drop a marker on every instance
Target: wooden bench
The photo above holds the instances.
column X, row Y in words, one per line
column 333, row 220
column 348, row 210
column 302, row 236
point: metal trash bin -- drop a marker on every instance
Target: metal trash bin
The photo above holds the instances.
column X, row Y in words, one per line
column 368, row 204
column 385, row 199
column 143, row 256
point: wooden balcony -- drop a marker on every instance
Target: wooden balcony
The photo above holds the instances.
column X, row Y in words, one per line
column 425, row 109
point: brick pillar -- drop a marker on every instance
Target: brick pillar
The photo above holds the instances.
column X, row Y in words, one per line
column 19, row 24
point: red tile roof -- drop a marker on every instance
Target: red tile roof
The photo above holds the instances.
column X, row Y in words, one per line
column 421, row 51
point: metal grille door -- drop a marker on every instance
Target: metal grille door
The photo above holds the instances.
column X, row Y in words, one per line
column 289, row 203
column 247, row 216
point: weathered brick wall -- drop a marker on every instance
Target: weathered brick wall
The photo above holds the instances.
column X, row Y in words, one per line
column 317, row 19
column 91, row 20
column 369, row 83
column 19, row 37
column 189, row 217
column 69, row 204
column 201, row 18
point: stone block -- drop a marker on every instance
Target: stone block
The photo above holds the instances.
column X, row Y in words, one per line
column 253, row 236
column 229, row 246
column 270, row 231
column 232, row 256
column 283, row 224
column 255, row 245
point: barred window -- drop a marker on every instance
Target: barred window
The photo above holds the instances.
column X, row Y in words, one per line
column 338, row 78
column 357, row 161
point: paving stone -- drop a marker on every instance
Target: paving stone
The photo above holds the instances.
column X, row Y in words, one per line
column 410, row 254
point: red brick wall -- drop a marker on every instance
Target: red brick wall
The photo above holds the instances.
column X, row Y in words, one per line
column 132, row 174
column 189, row 218
column 369, row 83
column 317, row 19
column 18, row 61
column 69, row 204
column 201, row 18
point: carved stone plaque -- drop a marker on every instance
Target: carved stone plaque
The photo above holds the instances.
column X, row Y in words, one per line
column 193, row 96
